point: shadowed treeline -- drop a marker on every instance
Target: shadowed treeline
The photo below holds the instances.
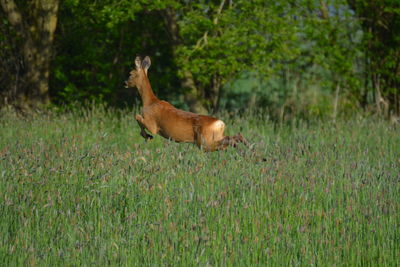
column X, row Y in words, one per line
column 302, row 58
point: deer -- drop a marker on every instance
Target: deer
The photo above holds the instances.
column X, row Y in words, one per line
column 160, row 117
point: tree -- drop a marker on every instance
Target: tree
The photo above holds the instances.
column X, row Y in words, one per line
column 224, row 39
column 214, row 41
column 34, row 23
column 380, row 21
column 333, row 30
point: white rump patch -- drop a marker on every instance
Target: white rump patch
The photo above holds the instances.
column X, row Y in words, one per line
column 219, row 125
column 218, row 129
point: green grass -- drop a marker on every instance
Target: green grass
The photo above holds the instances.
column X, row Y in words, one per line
column 84, row 188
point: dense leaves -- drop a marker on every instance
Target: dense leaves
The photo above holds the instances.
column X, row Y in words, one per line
column 299, row 57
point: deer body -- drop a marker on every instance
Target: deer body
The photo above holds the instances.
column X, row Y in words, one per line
column 160, row 117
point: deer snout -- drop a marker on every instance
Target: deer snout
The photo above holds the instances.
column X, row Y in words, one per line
column 130, row 82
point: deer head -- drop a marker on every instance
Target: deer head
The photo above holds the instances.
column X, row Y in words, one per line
column 139, row 74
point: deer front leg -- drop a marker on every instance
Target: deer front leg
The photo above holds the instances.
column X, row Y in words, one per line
column 143, row 124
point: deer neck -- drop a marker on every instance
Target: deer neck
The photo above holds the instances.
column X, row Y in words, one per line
column 146, row 93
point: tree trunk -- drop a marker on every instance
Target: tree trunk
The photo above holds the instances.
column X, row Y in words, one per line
column 364, row 94
column 193, row 95
column 216, row 93
column 336, row 102
column 36, row 23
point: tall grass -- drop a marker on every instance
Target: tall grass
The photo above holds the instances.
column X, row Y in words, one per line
column 83, row 188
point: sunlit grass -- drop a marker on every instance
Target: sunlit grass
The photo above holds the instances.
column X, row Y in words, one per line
column 84, row 188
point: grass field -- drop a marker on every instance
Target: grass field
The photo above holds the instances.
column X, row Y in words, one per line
column 83, row 188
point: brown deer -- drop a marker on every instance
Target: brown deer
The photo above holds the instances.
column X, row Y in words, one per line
column 160, row 117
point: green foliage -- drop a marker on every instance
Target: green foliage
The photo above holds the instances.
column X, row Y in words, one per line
column 95, row 56
column 221, row 40
column 243, row 36
column 380, row 21
column 336, row 50
column 84, row 188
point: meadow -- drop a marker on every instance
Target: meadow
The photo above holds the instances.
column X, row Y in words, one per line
column 83, row 188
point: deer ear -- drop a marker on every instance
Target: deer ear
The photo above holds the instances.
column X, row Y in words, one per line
column 146, row 63
column 138, row 62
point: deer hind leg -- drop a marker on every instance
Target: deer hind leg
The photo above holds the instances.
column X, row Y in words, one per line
column 146, row 124
column 232, row 141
